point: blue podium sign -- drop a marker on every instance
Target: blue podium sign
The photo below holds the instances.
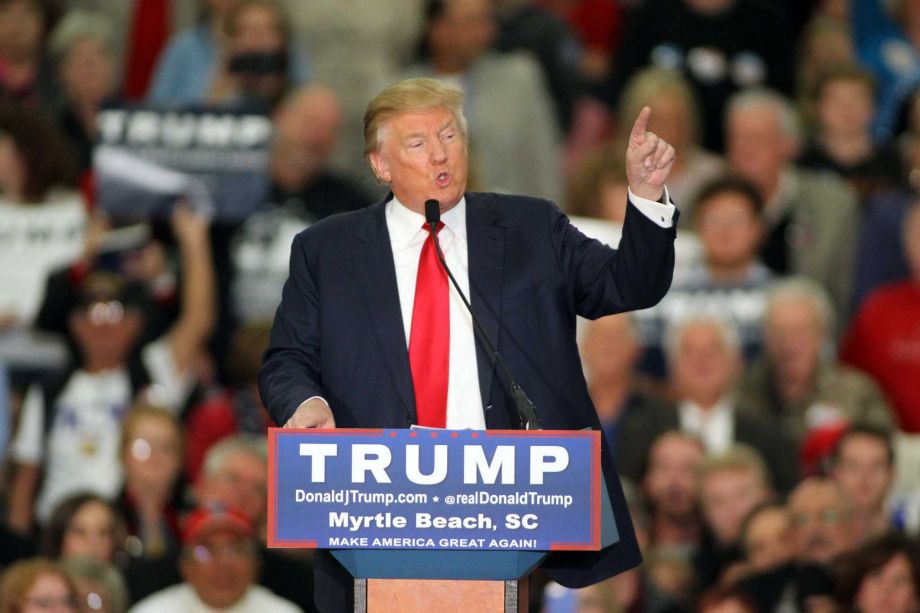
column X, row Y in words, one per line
column 434, row 489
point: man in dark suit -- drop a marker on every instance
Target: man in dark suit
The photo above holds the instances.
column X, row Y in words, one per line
column 358, row 281
column 704, row 358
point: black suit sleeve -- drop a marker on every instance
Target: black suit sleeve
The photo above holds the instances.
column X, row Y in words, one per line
column 604, row 281
column 291, row 369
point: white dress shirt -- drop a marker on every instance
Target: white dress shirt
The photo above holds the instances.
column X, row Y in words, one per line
column 407, row 235
column 715, row 426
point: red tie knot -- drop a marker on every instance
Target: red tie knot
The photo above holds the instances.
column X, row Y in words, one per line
column 427, row 227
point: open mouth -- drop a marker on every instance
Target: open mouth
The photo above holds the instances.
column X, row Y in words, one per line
column 443, row 179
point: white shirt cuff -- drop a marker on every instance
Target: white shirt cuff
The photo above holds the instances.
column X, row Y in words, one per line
column 661, row 214
column 308, row 400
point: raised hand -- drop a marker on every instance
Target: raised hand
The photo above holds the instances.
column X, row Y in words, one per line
column 648, row 159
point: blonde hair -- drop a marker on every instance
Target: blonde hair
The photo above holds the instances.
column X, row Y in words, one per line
column 410, row 95
column 657, row 84
column 739, row 457
column 22, row 576
column 141, row 411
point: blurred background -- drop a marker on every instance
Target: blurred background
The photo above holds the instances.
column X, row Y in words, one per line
column 157, row 158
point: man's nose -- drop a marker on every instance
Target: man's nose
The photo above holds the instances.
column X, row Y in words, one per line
column 438, row 152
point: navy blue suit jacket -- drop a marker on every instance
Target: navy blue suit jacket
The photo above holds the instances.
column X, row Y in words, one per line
column 338, row 332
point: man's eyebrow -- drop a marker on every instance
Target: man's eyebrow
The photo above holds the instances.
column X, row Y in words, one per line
column 447, row 124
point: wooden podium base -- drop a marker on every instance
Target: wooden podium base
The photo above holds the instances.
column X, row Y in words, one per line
column 428, row 595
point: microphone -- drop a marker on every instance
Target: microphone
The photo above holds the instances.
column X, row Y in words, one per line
column 526, row 410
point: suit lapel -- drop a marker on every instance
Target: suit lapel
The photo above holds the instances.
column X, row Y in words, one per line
column 486, row 251
column 373, row 259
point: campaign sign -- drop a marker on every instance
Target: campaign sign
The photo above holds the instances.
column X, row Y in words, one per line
column 146, row 158
column 434, row 489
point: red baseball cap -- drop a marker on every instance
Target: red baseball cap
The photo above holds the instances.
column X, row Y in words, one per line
column 213, row 518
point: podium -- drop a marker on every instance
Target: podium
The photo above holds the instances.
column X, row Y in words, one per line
column 438, row 520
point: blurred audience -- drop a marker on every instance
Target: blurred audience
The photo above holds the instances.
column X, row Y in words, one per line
column 103, row 458
column 514, row 139
column 730, row 281
column 881, row 575
column 766, row 537
column 100, row 586
column 24, row 75
column 241, row 53
column 796, row 380
column 726, row 600
column 705, row 362
column 219, row 565
column 42, row 218
column 820, row 532
column 887, row 39
column 812, row 219
column 235, row 410
column 732, row 484
column 151, row 454
column 83, row 525
column 357, row 48
column 303, row 190
column 235, row 475
column 843, row 105
column 610, row 349
column 81, row 45
column 670, row 487
column 883, row 339
column 78, row 414
column 721, row 46
column 862, row 466
column 37, row 586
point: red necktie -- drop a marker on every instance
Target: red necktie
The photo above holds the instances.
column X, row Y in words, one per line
column 429, row 339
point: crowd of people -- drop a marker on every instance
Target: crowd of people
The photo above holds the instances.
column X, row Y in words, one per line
column 766, row 413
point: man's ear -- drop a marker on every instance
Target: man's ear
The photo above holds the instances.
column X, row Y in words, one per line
column 379, row 166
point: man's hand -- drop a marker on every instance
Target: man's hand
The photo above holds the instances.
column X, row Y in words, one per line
column 648, row 159
column 314, row 413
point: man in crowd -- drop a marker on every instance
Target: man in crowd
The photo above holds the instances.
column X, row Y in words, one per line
column 670, row 487
column 730, row 281
column 219, row 564
column 705, row 361
column 303, row 191
column 822, row 529
column 732, row 484
column 794, row 380
column 812, row 220
column 235, row 476
column 862, row 465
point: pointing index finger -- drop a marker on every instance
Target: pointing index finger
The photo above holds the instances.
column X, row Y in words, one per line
column 638, row 129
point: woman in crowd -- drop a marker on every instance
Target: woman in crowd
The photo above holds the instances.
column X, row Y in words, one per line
column 151, row 454
column 882, row 575
column 242, row 49
column 82, row 45
column 37, row 586
column 83, row 525
column 42, row 218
